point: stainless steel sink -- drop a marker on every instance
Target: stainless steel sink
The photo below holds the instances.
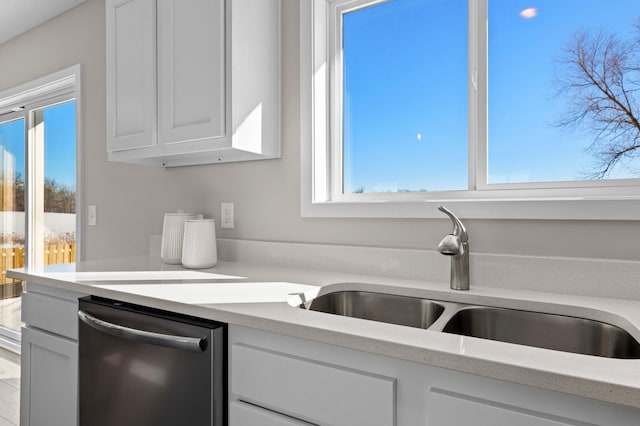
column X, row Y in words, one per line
column 390, row 308
column 542, row 330
column 549, row 331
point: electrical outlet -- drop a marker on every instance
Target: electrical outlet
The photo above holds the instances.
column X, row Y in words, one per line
column 226, row 214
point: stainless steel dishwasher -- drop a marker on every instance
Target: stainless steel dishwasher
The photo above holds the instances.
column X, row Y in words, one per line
column 144, row 367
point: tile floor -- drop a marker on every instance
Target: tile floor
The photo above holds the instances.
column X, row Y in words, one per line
column 9, row 388
column 10, row 313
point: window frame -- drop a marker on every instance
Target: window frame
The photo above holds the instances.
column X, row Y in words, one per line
column 321, row 153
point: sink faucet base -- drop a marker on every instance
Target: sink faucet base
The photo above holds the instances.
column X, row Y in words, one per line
column 460, row 270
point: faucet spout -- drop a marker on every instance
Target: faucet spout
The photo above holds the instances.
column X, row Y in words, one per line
column 456, row 245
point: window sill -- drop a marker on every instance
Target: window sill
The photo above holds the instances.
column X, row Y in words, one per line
column 533, row 209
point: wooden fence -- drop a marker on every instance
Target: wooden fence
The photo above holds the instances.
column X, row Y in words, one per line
column 54, row 254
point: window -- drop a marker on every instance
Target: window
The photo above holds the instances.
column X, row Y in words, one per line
column 537, row 130
column 479, row 104
column 38, row 182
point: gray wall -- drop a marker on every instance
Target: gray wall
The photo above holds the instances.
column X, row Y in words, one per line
column 131, row 199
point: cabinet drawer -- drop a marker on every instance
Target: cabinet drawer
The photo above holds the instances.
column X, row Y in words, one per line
column 242, row 414
column 310, row 390
column 448, row 409
column 53, row 314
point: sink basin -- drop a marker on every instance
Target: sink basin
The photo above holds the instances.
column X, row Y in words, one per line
column 549, row 331
column 390, row 308
column 537, row 329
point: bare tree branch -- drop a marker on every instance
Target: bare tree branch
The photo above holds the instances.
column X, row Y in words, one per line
column 601, row 77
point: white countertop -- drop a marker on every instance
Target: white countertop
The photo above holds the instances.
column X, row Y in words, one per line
column 256, row 296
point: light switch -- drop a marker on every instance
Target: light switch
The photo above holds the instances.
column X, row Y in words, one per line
column 92, row 216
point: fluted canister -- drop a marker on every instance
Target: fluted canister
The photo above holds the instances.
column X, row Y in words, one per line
column 172, row 236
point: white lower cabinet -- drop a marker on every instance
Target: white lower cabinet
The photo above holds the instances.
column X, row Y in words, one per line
column 450, row 409
column 49, row 380
column 49, row 359
column 313, row 391
column 294, row 380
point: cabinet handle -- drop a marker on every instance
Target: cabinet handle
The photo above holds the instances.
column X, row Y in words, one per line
column 195, row 344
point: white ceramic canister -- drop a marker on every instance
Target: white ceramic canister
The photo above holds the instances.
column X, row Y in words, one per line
column 199, row 246
column 172, row 236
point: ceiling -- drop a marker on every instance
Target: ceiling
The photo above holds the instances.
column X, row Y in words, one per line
column 19, row 16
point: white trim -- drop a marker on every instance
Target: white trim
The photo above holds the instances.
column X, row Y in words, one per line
column 584, row 200
column 11, row 116
column 335, row 55
column 34, row 188
column 549, row 209
column 477, row 103
column 51, row 85
column 77, row 70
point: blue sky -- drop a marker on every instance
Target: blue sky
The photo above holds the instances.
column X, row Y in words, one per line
column 382, row 145
column 60, row 143
column 525, row 144
column 410, row 132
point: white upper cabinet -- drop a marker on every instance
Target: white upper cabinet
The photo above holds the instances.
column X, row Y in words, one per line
column 131, row 74
column 191, row 74
column 214, row 69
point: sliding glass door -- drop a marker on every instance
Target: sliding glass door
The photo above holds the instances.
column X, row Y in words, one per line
column 38, row 196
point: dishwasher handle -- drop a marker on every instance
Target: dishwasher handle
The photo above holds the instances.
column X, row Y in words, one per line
column 195, row 344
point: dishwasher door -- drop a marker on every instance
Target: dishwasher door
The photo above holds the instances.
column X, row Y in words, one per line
column 143, row 367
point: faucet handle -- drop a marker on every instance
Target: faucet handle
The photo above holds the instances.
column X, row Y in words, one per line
column 451, row 246
column 458, row 228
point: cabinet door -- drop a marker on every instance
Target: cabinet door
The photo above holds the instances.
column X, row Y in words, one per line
column 49, row 380
column 191, row 70
column 131, row 74
column 241, row 414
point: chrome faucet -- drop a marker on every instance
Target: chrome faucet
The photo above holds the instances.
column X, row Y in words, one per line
column 456, row 245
